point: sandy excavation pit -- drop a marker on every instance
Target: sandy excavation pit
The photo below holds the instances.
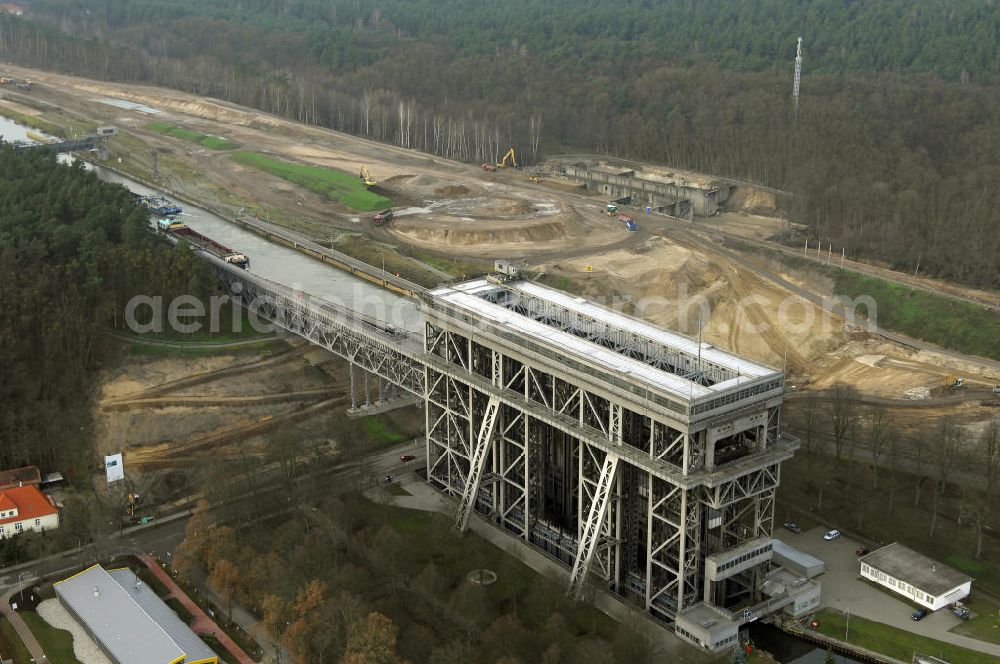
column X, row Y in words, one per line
column 465, row 212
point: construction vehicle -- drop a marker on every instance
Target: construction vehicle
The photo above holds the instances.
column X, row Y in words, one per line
column 954, row 382
column 7, row 80
column 366, row 177
column 489, row 168
column 132, row 501
column 629, row 222
column 611, row 210
column 382, row 218
column 24, row 85
column 510, row 155
column 167, row 224
column 533, row 178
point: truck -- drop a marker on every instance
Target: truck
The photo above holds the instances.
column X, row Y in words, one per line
column 611, row 209
column 209, row 245
column 382, row 218
column 629, row 222
column 490, row 168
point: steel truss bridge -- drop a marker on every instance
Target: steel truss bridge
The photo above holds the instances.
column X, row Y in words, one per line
column 88, row 142
column 664, row 499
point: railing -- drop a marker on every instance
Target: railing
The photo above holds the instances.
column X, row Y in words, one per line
column 342, row 260
column 71, row 145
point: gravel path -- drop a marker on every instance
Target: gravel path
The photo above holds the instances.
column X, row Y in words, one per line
column 83, row 646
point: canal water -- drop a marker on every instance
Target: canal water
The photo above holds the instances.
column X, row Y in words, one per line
column 789, row 650
column 273, row 261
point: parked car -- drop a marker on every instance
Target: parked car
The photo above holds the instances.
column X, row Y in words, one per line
column 918, row 614
column 862, row 551
column 407, row 458
column 832, row 535
column 792, row 526
column 961, row 612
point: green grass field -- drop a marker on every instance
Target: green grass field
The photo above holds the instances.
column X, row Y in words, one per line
column 11, row 646
column 890, row 641
column 960, row 325
column 210, row 142
column 337, row 186
column 32, row 121
column 986, row 625
column 57, row 643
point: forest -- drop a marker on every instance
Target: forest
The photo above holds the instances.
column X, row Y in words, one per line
column 73, row 251
column 891, row 154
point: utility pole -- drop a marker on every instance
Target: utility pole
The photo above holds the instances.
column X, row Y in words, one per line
column 798, row 76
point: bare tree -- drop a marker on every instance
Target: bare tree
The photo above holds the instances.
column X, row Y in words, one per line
column 876, row 425
column 989, row 448
column 984, row 503
column 892, row 477
column 945, row 452
column 843, row 416
column 918, row 447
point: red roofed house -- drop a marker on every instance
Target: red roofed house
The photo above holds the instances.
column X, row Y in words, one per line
column 26, row 508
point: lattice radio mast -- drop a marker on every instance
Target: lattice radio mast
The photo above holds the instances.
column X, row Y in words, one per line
column 798, row 76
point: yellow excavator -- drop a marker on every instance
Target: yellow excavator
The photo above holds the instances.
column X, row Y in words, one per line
column 509, row 155
column 366, row 177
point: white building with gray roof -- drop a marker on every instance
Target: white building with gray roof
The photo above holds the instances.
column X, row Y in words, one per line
column 128, row 621
column 915, row 576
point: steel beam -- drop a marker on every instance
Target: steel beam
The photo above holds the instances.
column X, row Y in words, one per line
column 592, row 528
column 477, row 463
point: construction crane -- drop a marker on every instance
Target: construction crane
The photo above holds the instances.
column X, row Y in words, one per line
column 509, row 155
column 366, row 177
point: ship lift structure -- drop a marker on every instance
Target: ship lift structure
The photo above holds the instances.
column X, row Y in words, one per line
column 643, row 461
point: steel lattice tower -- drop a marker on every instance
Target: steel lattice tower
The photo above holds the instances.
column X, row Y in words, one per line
column 798, row 75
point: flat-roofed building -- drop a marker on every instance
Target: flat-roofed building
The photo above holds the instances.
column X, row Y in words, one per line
column 915, row 576
column 128, row 622
column 797, row 561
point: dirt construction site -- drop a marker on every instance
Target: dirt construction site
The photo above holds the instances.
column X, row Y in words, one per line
column 455, row 218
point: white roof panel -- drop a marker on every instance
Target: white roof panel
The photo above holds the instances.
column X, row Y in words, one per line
column 569, row 343
column 658, row 334
column 465, row 295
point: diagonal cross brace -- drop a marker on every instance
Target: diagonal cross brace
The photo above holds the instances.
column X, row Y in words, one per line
column 477, row 463
column 592, row 528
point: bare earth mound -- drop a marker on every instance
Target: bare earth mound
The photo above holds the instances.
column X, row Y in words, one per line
column 465, row 233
